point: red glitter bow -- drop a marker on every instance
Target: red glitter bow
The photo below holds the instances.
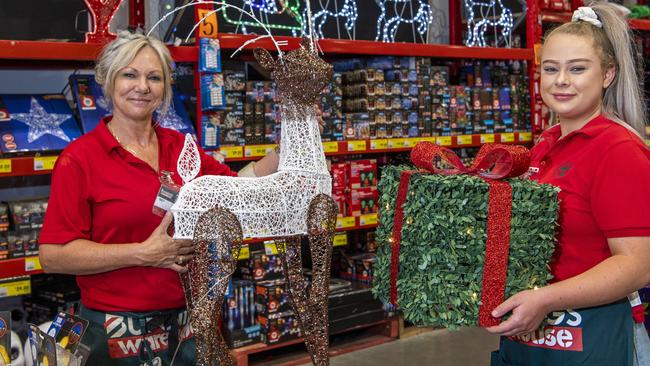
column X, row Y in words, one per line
column 492, row 162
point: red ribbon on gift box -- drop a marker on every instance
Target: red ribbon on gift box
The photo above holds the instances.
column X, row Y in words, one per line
column 493, row 162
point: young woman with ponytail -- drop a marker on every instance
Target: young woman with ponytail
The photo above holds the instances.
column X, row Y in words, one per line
column 597, row 156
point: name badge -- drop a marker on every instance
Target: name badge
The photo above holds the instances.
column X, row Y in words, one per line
column 167, row 194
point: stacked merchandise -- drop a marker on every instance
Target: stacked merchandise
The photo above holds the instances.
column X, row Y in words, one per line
column 240, row 326
column 213, row 96
column 261, row 113
column 226, row 127
column 331, row 105
column 20, row 237
column 354, row 187
column 51, row 294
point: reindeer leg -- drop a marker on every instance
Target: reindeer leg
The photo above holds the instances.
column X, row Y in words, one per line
column 296, row 284
column 217, row 239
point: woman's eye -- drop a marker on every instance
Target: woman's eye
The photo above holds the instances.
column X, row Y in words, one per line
column 155, row 78
column 578, row 69
column 129, row 75
column 550, row 69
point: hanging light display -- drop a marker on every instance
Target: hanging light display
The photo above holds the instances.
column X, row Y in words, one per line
column 419, row 20
column 348, row 11
column 484, row 14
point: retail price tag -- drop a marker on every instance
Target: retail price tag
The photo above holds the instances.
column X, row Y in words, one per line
column 444, row 140
column 359, row 145
column 507, row 137
column 331, row 146
column 44, row 163
column 270, row 248
column 5, row 165
column 345, row 222
column 15, row 287
column 232, row 152
column 340, row 239
column 251, row 151
column 396, row 143
column 410, row 142
column 464, row 140
column 378, row 144
column 525, row 137
column 209, row 25
column 433, row 140
column 487, row 138
column 368, row 219
column 32, row 264
column 244, row 252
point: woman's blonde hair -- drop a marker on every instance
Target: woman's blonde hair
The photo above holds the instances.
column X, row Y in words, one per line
column 119, row 53
column 623, row 100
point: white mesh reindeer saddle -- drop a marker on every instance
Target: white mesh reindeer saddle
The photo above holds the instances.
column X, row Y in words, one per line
column 274, row 205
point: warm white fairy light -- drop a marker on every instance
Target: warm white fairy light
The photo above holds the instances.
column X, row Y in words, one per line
column 492, row 14
column 387, row 28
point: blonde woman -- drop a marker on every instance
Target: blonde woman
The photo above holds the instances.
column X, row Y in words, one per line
column 597, row 156
column 100, row 224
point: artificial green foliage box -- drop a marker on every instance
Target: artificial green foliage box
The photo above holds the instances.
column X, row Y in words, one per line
column 443, row 240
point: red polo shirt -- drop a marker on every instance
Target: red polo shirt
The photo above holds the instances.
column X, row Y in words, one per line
column 603, row 171
column 103, row 193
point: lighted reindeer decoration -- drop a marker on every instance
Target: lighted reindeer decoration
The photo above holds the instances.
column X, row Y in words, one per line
column 287, row 204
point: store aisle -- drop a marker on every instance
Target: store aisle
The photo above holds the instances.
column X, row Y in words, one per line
column 467, row 347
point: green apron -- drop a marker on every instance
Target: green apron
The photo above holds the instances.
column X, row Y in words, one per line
column 138, row 339
column 598, row 336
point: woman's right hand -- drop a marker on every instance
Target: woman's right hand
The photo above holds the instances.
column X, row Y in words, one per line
column 161, row 250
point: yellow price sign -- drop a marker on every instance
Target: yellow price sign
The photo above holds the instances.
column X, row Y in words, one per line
column 345, row 222
column 340, row 239
column 410, row 142
column 232, row 152
column 270, row 248
column 331, row 147
column 244, row 252
column 396, row 143
column 433, row 140
column 5, row 165
column 15, row 288
column 209, row 25
column 525, row 136
column 368, row 219
column 444, row 140
column 378, row 144
column 32, row 264
column 44, row 163
column 507, row 137
column 257, row 150
column 487, row 138
column 359, row 145
column 464, row 140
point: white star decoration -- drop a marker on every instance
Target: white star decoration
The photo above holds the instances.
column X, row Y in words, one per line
column 171, row 119
column 41, row 122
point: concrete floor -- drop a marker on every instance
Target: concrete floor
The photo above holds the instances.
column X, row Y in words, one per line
column 467, row 347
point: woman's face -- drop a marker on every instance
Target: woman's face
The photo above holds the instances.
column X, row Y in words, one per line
column 139, row 87
column 572, row 79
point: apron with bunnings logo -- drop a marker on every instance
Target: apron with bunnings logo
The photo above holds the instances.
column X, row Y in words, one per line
column 598, row 336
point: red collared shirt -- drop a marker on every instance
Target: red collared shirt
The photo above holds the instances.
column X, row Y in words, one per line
column 603, row 171
column 103, row 193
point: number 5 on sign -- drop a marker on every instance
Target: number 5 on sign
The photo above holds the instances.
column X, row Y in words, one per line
column 208, row 27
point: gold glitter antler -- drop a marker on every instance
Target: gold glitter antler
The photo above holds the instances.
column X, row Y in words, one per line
column 217, row 241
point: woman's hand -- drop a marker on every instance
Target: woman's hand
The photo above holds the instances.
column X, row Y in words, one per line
column 528, row 310
column 161, row 250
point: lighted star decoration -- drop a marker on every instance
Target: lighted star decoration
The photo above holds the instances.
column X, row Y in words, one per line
column 419, row 18
column 170, row 119
column 41, row 122
column 484, row 14
column 347, row 11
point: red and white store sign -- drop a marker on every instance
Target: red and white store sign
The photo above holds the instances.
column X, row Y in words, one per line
column 552, row 337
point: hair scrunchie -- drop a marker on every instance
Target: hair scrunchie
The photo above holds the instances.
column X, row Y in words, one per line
column 586, row 14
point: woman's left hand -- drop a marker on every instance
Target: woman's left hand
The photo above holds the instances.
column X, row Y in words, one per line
column 528, row 310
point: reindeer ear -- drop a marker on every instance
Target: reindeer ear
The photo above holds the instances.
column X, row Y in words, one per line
column 189, row 161
column 264, row 58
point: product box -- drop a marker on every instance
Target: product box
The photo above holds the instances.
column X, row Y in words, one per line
column 209, row 55
column 261, row 267
column 236, row 338
column 211, row 124
column 212, row 92
column 240, row 325
column 362, row 173
column 68, row 330
column 36, row 123
column 27, row 215
column 340, row 197
column 364, row 267
column 271, row 297
column 234, row 80
column 347, row 267
column 5, row 337
column 280, row 327
column 43, row 347
column 339, row 173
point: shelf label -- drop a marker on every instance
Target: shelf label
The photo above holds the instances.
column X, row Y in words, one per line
column 345, row 222
column 232, row 152
column 257, row 150
column 444, row 140
column 507, row 137
column 410, row 142
column 32, row 264
column 5, row 165
column 464, row 140
column 378, row 144
column 433, row 140
column 208, row 26
column 44, row 163
column 359, row 145
column 340, row 239
column 396, row 143
column 487, row 138
column 244, row 252
column 525, row 136
column 368, row 219
column 15, row 287
column 331, row 146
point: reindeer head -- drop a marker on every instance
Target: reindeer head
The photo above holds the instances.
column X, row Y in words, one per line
column 300, row 76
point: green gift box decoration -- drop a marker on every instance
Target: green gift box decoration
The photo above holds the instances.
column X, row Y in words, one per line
column 455, row 242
